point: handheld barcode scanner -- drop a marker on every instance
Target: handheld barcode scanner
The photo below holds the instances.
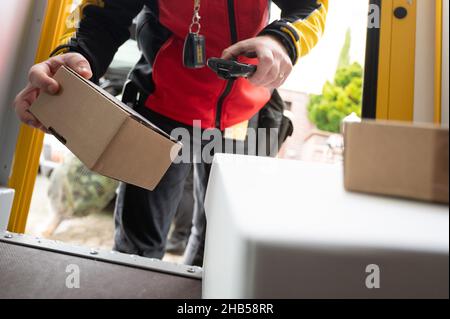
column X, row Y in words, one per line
column 227, row 69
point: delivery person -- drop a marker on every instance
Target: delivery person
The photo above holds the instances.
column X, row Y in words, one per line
column 175, row 91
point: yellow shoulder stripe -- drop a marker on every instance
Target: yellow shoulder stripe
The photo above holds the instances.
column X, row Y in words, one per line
column 311, row 29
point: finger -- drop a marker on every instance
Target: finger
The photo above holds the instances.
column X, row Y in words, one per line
column 40, row 76
column 25, row 116
column 75, row 61
column 44, row 129
column 26, row 98
column 266, row 62
column 23, row 102
column 79, row 64
column 29, row 93
column 243, row 47
column 285, row 71
column 272, row 76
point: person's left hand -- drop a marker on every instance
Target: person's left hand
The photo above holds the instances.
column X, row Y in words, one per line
column 274, row 63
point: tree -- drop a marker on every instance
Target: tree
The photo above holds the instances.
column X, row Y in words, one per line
column 340, row 98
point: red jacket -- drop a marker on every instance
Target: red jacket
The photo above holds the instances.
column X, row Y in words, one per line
column 186, row 94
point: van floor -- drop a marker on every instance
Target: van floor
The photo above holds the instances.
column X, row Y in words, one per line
column 32, row 272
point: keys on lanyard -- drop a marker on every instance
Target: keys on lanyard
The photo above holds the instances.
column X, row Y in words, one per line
column 194, row 52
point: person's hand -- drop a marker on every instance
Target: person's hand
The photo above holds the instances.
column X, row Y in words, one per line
column 274, row 63
column 40, row 79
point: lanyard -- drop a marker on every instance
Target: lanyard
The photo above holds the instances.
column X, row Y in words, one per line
column 195, row 25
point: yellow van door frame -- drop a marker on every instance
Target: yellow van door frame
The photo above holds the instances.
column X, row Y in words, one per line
column 438, row 62
column 395, row 100
column 392, row 62
column 29, row 142
column 444, row 43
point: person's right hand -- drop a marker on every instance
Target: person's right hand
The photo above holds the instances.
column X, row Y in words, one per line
column 40, row 78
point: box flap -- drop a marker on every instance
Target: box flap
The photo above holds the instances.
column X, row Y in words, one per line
column 142, row 163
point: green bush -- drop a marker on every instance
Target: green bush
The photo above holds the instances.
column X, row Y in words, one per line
column 338, row 99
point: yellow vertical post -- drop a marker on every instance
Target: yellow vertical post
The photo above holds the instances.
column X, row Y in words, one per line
column 395, row 98
column 438, row 64
column 29, row 142
column 384, row 59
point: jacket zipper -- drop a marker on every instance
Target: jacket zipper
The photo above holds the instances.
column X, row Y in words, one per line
column 234, row 39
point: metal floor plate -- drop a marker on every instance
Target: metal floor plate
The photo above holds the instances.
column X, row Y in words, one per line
column 31, row 271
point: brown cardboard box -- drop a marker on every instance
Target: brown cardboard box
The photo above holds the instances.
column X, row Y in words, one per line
column 105, row 134
column 397, row 159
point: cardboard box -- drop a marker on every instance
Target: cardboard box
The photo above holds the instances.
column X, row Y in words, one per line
column 105, row 134
column 397, row 159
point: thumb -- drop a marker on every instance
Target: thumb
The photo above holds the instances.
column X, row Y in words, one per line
column 79, row 64
column 227, row 54
column 233, row 51
column 246, row 47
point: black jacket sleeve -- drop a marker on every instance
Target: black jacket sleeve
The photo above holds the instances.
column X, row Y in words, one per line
column 301, row 25
column 103, row 27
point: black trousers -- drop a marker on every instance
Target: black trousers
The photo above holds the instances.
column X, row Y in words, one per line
column 143, row 218
column 182, row 222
